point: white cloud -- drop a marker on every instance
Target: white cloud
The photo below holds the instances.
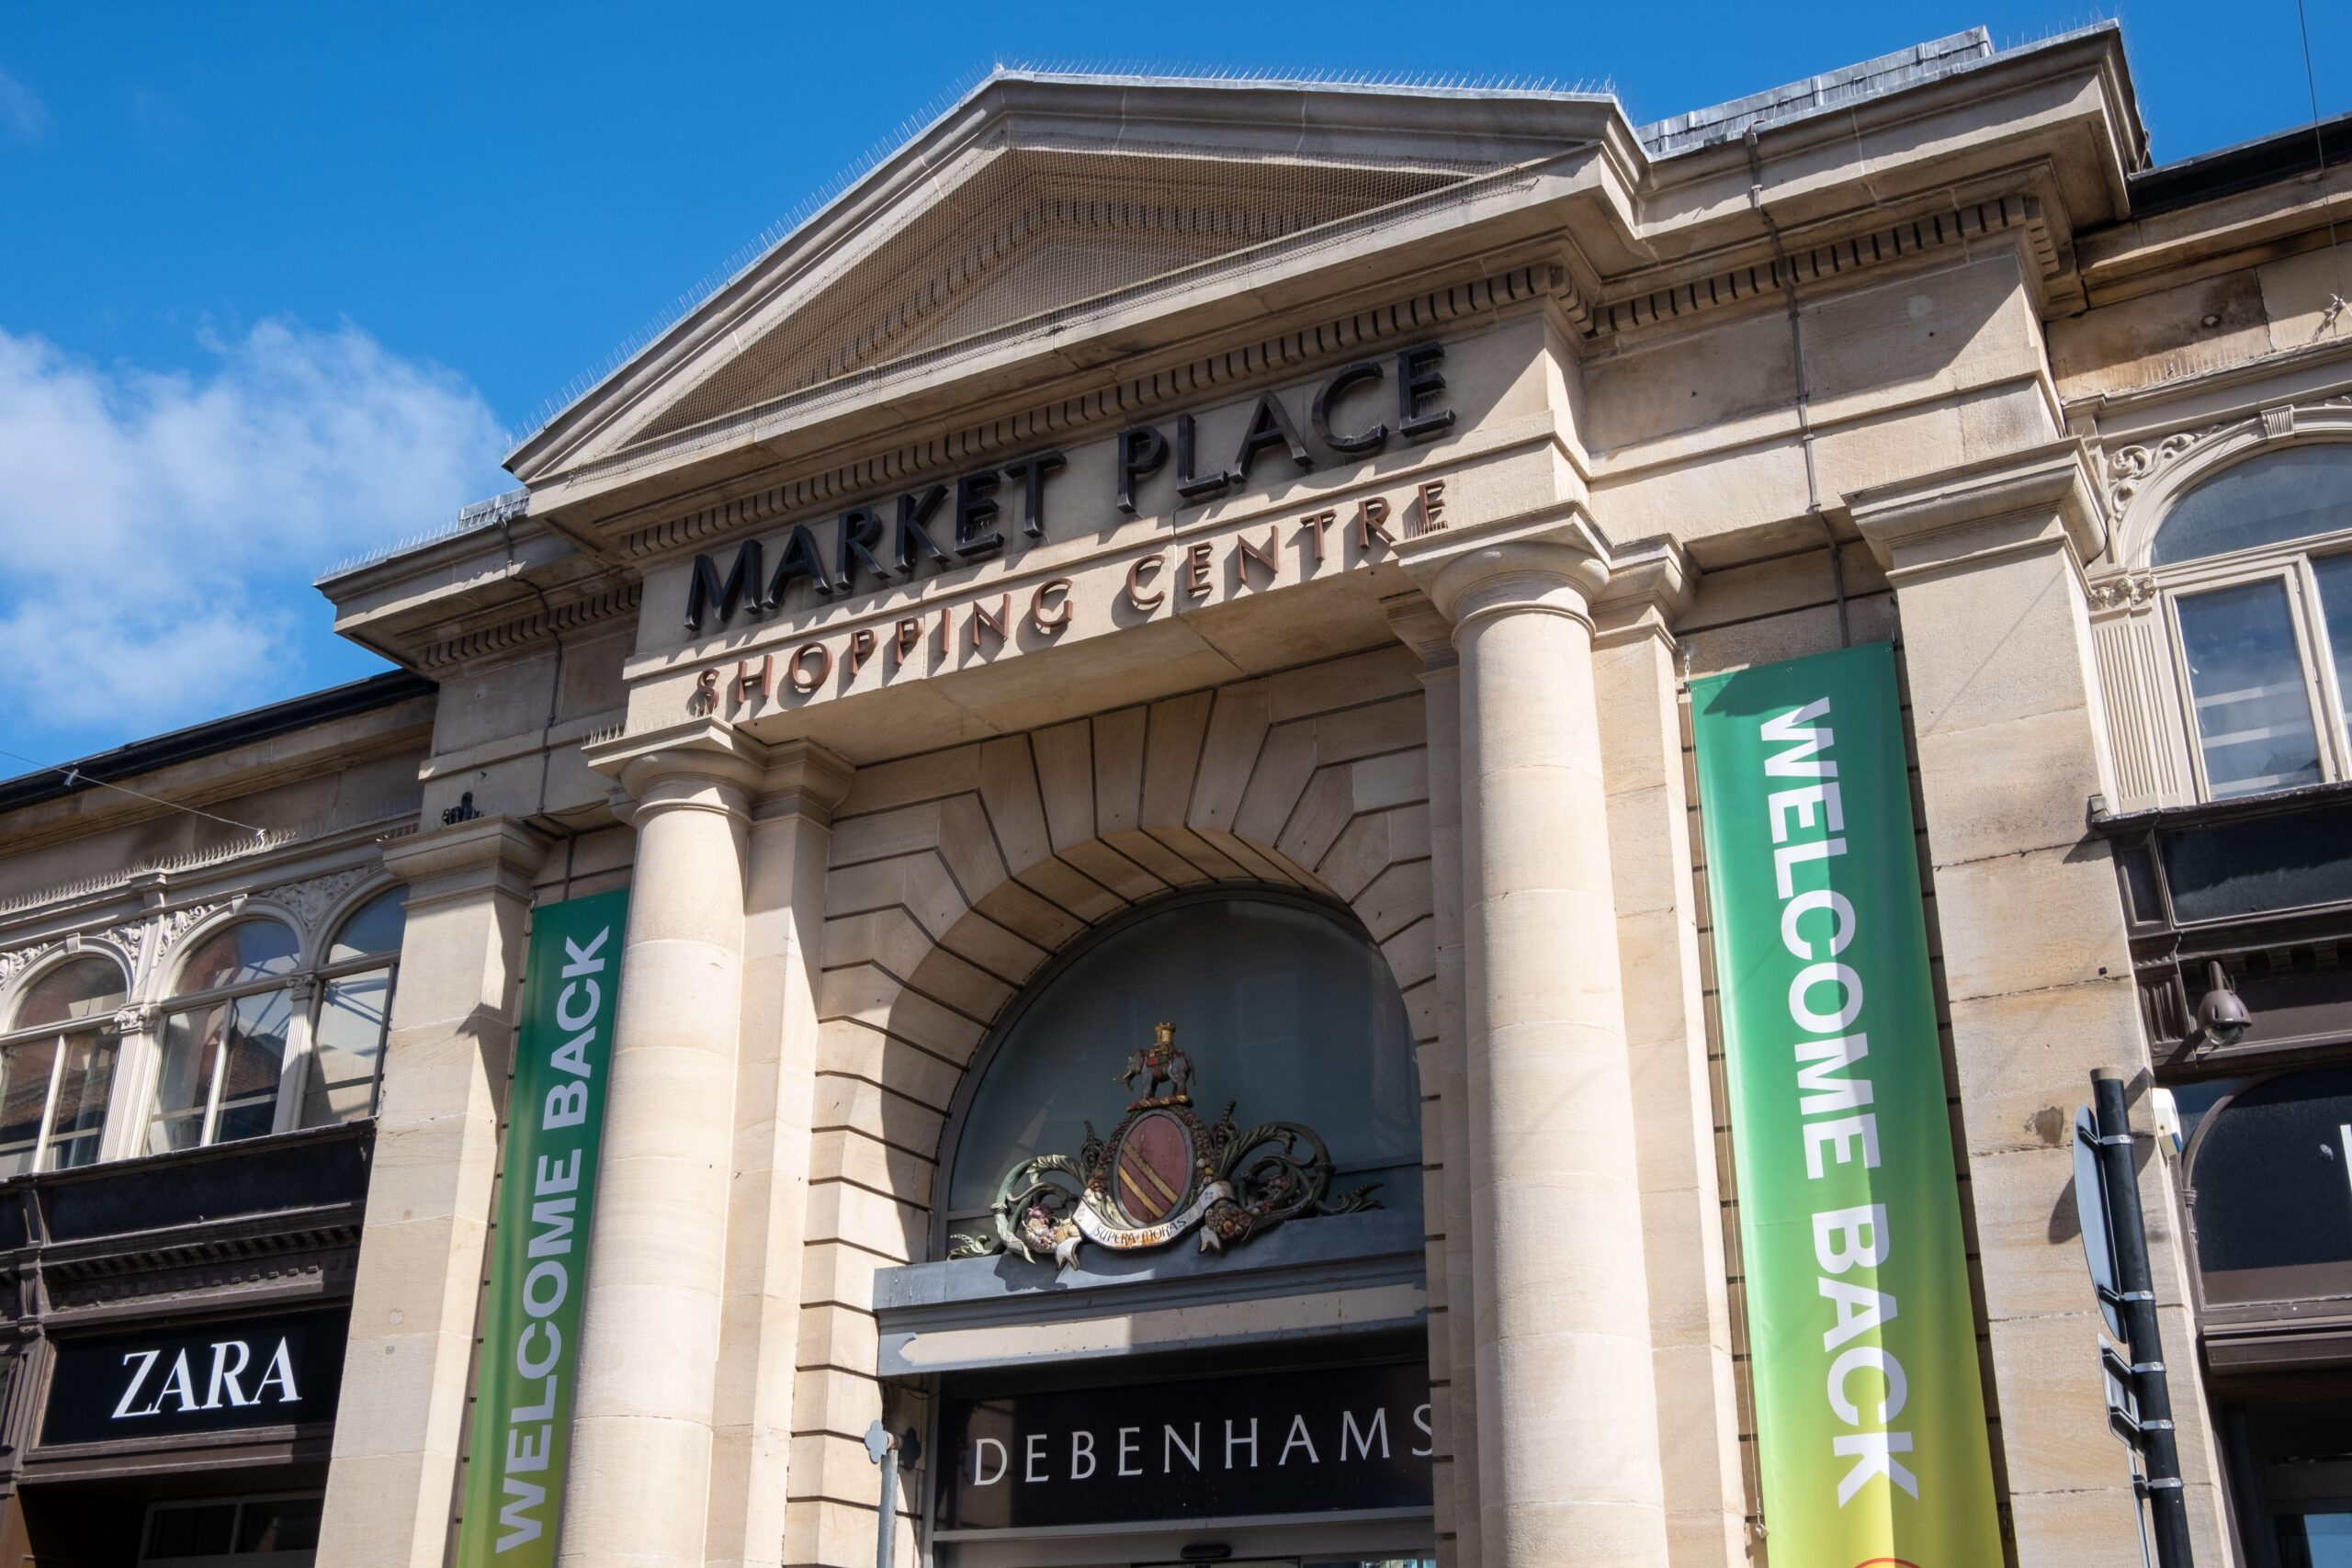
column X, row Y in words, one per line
column 158, row 532
column 21, row 113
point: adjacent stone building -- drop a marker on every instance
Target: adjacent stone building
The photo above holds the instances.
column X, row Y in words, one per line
column 1234, row 555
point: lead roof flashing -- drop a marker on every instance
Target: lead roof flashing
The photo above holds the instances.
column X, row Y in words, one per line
column 212, row 738
column 1864, row 79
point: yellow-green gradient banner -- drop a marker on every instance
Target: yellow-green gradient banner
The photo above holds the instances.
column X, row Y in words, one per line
column 1869, row 1410
column 530, row 1331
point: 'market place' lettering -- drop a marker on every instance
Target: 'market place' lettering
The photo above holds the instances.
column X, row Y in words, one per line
column 864, row 535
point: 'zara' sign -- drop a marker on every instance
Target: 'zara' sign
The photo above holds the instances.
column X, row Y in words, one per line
column 214, row 1377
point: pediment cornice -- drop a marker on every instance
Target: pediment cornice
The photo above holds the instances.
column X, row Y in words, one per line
column 1145, row 180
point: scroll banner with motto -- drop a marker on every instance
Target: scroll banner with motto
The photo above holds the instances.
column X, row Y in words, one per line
column 1869, row 1410
column 530, row 1342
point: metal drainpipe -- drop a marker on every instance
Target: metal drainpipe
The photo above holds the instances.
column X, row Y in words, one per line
column 1786, row 272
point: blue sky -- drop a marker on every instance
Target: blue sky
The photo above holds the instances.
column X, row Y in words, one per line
column 278, row 281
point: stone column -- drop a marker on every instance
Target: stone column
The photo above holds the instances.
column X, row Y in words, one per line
column 791, row 842
column 640, row 1483
column 1653, row 872
column 1568, row 1466
column 1986, row 565
column 390, row 1487
column 1451, row 1270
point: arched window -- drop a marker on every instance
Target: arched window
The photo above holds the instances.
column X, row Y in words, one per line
column 58, row 1069
column 224, row 1041
column 253, row 1044
column 2257, row 563
column 2270, row 1172
column 1282, row 1004
column 355, row 1010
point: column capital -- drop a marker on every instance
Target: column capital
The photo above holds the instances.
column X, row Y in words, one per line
column 698, row 763
column 1554, row 562
column 1651, row 582
column 2019, row 502
column 801, row 779
column 485, row 855
column 1421, row 627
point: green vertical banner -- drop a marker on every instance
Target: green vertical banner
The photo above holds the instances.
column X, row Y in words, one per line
column 530, row 1343
column 1870, row 1414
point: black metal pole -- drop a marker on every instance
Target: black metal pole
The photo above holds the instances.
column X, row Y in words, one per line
column 2139, row 1307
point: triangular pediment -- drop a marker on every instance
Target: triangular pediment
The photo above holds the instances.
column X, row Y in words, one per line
column 1037, row 198
column 1022, row 234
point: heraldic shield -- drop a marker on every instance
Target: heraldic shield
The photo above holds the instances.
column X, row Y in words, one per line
column 1161, row 1173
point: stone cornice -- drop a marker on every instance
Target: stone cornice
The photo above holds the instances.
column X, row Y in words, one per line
column 615, row 599
column 1831, row 260
column 1651, row 582
column 1961, row 516
column 1294, row 351
column 485, row 855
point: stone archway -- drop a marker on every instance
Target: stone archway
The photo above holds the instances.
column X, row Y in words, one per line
column 956, row 875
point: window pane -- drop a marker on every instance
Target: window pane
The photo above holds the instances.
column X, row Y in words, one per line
column 1281, row 1008
column 349, row 1044
column 374, row 926
column 2265, row 500
column 81, row 989
column 2253, row 717
column 282, row 1524
column 2272, row 1191
column 256, row 950
column 82, row 1090
column 198, row 1529
column 255, row 1030
column 2334, row 574
column 23, row 1095
column 190, row 1040
column 256, row 1058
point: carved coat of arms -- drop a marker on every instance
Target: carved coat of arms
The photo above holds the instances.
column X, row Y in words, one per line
column 1160, row 1173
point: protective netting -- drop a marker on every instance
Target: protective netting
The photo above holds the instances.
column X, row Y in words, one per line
column 1018, row 233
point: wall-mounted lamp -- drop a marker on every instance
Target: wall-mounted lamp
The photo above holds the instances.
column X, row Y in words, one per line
column 2222, row 1015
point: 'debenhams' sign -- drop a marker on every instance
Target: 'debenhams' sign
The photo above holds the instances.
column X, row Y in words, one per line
column 1296, row 1442
column 1353, row 414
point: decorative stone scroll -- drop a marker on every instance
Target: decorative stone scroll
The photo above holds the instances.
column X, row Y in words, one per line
column 311, row 898
column 1162, row 1172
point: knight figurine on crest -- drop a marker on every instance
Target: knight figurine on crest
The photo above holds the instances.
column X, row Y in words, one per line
column 1160, row 1173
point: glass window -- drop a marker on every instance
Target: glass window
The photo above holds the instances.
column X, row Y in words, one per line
column 1282, row 1008
column 224, row 1060
column 354, row 1014
column 347, row 1048
column 2333, row 575
column 2269, row 500
column 373, row 929
column 2271, row 1175
column 254, row 950
column 53, row 1088
column 220, row 1071
column 2301, row 1454
column 282, row 1530
column 2245, row 677
column 80, row 990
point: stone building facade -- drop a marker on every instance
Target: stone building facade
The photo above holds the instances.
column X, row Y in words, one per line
column 1236, row 553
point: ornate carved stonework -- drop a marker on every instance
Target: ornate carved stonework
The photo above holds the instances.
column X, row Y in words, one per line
column 1161, row 1172
column 2129, row 590
column 311, row 899
column 18, row 959
column 2129, row 468
column 137, row 1020
column 177, row 924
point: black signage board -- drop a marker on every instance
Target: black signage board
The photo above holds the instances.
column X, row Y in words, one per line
column 225, row 1376
column 1293, row 1442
